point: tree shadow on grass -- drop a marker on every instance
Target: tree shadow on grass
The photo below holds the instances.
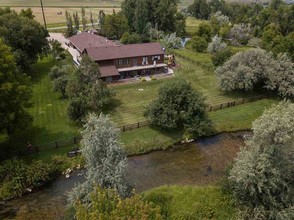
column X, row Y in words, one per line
column 36, row 136
column 114, row 104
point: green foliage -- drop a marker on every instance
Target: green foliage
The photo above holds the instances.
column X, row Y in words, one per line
column 186, row 202
column 245, row 70
column 115, row 25
column 199, row 9
column 76, row 109
column 220, row 57
column 128, row 38
column 216, row 45
column 14, row 93
column 24, row 35
column 205, row 31
column 27, row 13
column 256, row 68
column 179, row 105
column 171, row 41
column 56, row 49
column 160, row 15
column 16, row 176
column 261, row 177
column 105, row 160
column 85, row 90
column 70, row 31
column 198, row 44
column 106, row 204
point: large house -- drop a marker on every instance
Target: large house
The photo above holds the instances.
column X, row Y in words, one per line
column 120, row 61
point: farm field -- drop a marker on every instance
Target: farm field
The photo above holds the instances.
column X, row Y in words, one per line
column 52, row 18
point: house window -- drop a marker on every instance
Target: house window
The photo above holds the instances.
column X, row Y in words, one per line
column 155, row 58
column 123, row 62
column 145, row 61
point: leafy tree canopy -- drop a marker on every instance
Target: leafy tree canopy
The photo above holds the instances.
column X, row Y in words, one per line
column 24, row 35
column 179, row 105
column 14, row 92
column 261, row 179
column 106, row 161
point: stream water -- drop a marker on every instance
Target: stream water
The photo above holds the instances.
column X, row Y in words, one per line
column 198, row 163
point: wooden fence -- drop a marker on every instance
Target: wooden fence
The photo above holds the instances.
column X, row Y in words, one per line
column 75, row 140
column 210, row 69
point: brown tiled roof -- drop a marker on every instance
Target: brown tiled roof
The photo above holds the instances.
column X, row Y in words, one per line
column 108, row 71
column 124, row 51
column 85, row 39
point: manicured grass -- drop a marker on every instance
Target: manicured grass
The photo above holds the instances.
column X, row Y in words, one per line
column 130, row 100
column 50, row 122
column 192, row 202
column 239, row 117
column 146, row 139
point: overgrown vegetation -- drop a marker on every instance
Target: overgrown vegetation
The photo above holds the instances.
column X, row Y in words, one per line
column 192, row 202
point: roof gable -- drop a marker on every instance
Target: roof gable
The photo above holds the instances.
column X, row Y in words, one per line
column 124, row 51
column 85, row 39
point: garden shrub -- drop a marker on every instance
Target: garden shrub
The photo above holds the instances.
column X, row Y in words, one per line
column 198, row 44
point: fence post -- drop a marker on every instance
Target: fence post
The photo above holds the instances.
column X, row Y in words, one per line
column 56, row 145
column 221, row 106
column 138, row 126
column 75, row 140
column 228, row 104
column 123, row 128
column 234, row 103
column 210, row 109
column 243, row 101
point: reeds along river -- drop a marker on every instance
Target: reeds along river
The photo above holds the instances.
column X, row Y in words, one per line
column 198, row 163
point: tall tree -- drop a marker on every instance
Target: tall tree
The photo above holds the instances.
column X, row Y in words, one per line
column 24, row 35
column 84, row 19
column 92, row 19
column 262, row 176
column 76, row 20
column 14, row 93
column 140, row 17
column 115, row 25
column 106, row 161
column 101, row 18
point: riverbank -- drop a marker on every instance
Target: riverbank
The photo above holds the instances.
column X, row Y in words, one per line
column 199, row 163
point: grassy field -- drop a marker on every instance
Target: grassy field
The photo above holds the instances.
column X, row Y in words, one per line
column 191, row 202
column 53, row 19
column 132, row 99
column 48, row 111
column 192, row 25
column 63, row 3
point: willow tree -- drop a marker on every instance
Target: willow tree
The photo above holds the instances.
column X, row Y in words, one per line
column 262, row 176
column 106, row 161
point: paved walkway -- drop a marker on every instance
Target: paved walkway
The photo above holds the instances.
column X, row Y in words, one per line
column 59, row 37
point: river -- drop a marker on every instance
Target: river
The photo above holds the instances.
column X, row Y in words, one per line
column 199, row 163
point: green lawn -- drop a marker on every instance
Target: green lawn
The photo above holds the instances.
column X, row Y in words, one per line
column 50, row 122
column 192, row 202
column 131, row 101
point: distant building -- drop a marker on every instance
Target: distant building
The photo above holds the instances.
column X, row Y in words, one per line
column 120, row 61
